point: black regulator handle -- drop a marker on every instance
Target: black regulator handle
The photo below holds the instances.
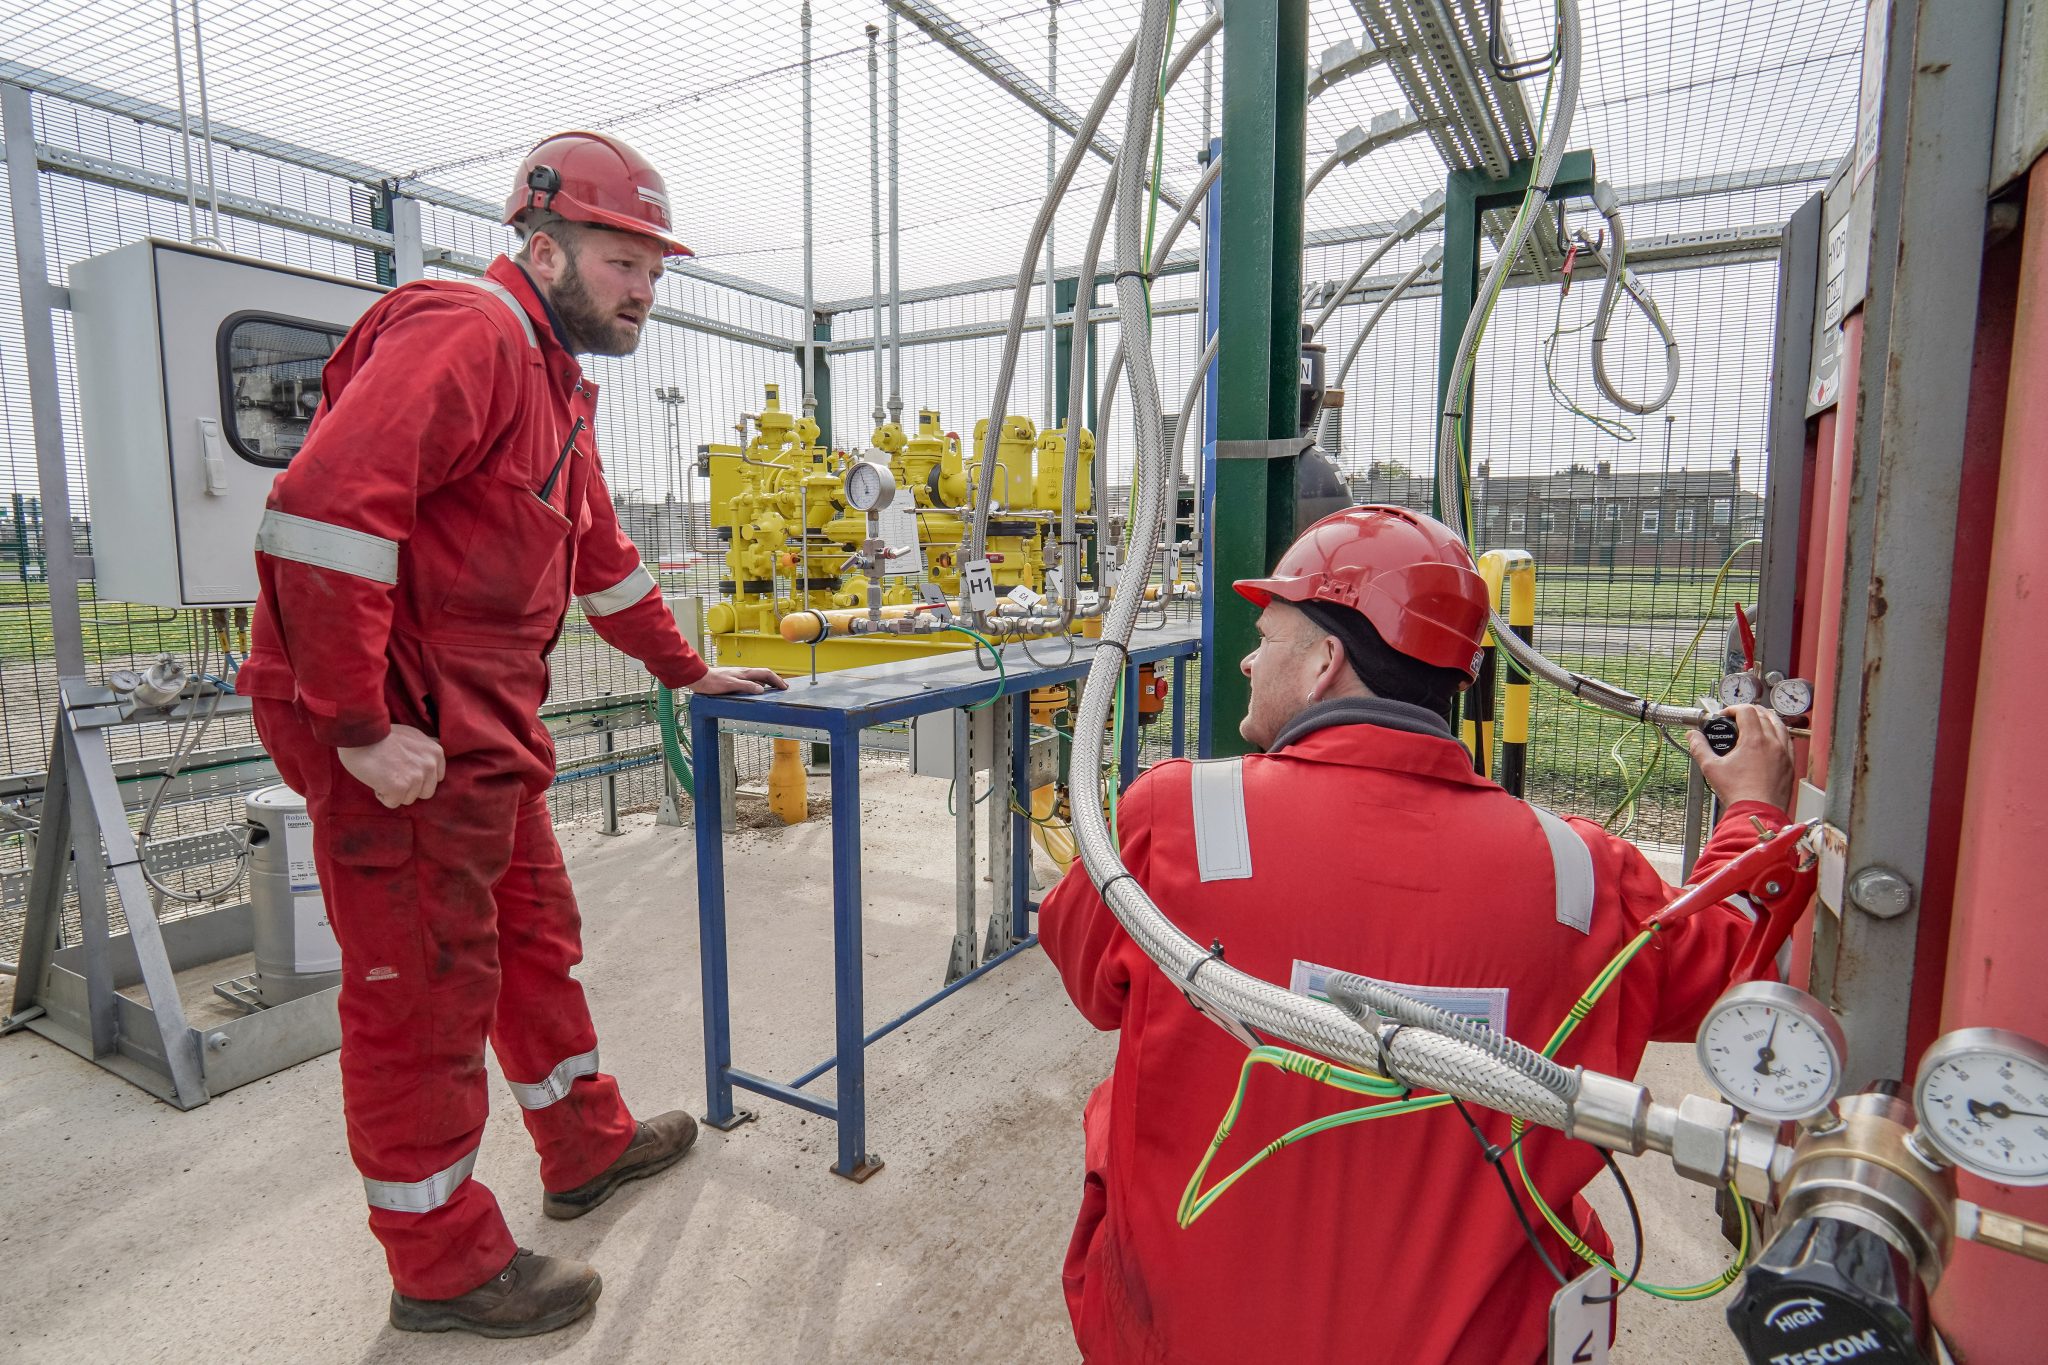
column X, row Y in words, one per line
column 1826, row 1291
column 1721, row 734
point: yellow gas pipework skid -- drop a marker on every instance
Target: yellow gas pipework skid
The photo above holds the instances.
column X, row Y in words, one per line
column 778, row 501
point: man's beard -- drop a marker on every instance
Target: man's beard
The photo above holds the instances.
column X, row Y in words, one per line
column 591, row 330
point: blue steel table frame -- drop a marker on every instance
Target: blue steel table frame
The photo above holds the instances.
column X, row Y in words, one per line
column 841, row 705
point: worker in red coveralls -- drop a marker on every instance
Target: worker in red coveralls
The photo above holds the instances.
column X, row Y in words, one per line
column 1361, row 840
column 416, row 563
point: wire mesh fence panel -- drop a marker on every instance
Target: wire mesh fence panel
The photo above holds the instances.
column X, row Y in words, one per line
column 1712, row 131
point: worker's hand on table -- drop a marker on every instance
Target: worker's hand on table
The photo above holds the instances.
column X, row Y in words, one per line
column 403, row 767
column 725, row 681
column 1758, row 768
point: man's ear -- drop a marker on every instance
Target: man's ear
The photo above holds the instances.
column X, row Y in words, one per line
column 1331, row 666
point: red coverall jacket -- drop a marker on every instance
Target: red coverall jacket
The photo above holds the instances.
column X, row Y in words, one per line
column 1379, row 851
column 421, row 574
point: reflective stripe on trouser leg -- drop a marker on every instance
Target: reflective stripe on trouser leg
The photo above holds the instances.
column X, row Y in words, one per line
column 419, row 1196
column 542, row 1016
column 555, row 1085
column 625, row 593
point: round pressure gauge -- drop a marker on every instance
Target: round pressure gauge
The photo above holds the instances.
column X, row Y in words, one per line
column 1982, row 1097
column 1772, row 1051
column 1792, row 697
column 1738, row 689
column 869, row 486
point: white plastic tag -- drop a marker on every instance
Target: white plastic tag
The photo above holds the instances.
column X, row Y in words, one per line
column 978, row 585
column 1579, row 1328
column 1025, row 598
column 314, row 947
column 298, row 852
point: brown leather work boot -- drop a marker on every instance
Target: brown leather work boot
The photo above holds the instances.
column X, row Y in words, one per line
column 532, row 1295
column 657, row 1144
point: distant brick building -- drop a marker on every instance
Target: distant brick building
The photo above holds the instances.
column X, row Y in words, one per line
column 1686, row 518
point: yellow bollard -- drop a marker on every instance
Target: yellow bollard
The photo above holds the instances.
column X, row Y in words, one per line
column 1518, row 571
column 1476, row 726
column 788, row 794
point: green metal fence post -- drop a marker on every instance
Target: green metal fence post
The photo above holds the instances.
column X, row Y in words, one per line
column 1265, row 110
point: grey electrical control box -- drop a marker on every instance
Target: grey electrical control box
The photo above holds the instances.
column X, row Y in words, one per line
column 198, row 376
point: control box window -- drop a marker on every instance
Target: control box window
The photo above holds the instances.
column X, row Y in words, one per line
column 270, row 383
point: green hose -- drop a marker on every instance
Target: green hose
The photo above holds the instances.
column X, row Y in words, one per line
column 672, row 742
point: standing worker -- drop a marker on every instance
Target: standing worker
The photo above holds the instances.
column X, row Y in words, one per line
column 1373, row 848
column 416, row 563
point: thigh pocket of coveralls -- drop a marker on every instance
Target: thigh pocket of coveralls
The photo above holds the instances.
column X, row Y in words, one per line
column 373, row 897
column 514, row 555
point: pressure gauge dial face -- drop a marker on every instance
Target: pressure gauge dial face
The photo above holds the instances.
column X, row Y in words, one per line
column 869, row 486
column 1792, row 698
column 1772, row 1051
column 1982, row 1097
column 1738, row 689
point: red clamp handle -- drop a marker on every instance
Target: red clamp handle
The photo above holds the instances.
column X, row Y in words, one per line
column 1778, row 877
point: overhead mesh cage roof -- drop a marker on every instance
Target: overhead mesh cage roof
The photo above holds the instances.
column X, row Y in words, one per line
column 1722, row 114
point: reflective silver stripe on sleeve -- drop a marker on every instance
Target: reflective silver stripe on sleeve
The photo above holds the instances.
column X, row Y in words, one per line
column 1571, row 871
column 1223, row 841
column 541, row 1094
column 421, row 1196
column 327, row 546
column 620, row 595
column 513, row 306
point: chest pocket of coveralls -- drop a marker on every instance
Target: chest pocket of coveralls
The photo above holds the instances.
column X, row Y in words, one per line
column 516, row 564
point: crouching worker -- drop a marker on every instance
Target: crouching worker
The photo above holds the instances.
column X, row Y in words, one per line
column 1373, row 848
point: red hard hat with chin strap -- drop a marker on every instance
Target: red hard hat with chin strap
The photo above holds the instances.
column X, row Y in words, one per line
column 1404, row 572
column 591, row 178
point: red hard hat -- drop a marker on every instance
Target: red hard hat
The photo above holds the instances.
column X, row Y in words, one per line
column 1404, row 572
column 590, row 178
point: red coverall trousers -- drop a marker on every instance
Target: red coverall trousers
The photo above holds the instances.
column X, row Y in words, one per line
column 416, row 562
column 457, row 923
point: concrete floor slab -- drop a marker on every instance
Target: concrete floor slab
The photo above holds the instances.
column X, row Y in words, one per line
column 134, row 1233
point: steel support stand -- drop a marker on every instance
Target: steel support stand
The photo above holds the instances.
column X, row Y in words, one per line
column 728, row 780
column 855, row 1162
column 1002, row 841
column 608, row 815
column 1932, row 164
column 960, row 960
column 1010, row 922
column 714, row 805
column 72, row 995
column 1127, row 755
column 1265, row 111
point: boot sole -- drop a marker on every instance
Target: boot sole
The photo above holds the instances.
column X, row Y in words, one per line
column 561, row 1212
column 416, row 1316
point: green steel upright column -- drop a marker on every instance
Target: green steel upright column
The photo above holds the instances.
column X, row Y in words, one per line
column 1258, row 377
column 821, row 375
column 1064, row 292
column 1468, row 197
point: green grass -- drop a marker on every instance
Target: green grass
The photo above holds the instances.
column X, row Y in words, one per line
column 1638, row 594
